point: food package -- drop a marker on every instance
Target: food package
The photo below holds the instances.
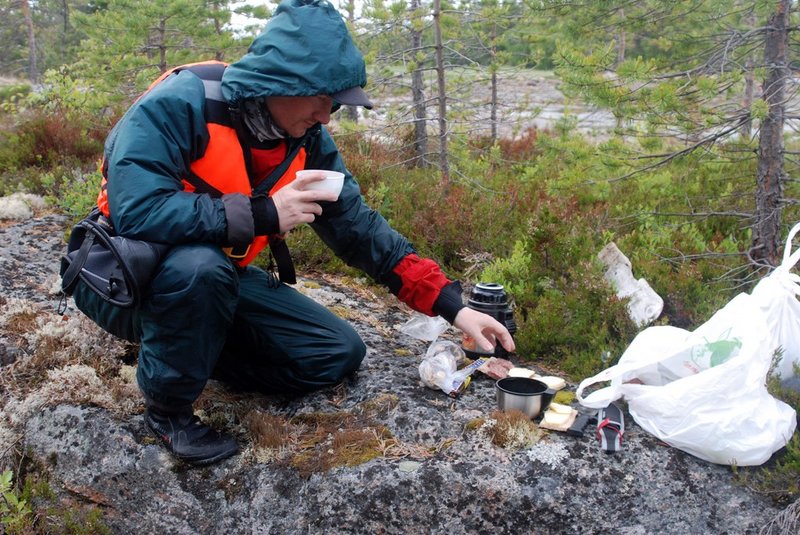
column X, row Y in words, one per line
column 439, row 368
column 496, row 368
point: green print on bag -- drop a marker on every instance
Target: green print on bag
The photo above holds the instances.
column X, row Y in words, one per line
column 715, row 353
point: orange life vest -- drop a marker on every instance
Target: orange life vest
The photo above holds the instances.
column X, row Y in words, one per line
column 222, row 169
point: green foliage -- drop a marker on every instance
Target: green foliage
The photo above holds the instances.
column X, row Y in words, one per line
column 567, row 314
column 75, row 193
column 44, row 145
column 512, row 271
column 71, row 96
column 759, row 109
column 15, row 513
column 11, row 95
column 130, row 43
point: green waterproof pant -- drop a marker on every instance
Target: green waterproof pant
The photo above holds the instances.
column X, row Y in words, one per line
column 203, row 317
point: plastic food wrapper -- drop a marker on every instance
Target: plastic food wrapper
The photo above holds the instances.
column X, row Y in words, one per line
column 439, row 368
column 424, row 327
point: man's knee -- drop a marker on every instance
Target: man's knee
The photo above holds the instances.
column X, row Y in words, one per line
column 329, row 367
column 353, row 354
column 196, row 266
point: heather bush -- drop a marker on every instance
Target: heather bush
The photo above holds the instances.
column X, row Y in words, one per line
column 568, row 317
column 43, row 144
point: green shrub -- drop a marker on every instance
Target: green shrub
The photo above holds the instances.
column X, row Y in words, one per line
column 43, row 144
column 16, row 515
column 73, row 191
column 567, row 315
column 11, row 94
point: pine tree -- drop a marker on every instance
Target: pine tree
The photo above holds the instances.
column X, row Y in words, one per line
column 132, row 41
column 688, row 75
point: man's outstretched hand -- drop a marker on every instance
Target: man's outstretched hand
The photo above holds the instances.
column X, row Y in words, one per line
column 484, row 329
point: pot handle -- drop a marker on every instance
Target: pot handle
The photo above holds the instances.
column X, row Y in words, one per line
column 547, row 398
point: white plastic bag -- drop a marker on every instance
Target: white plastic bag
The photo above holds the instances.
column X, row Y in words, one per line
column 718, row 408
column 644, row 304
column 423, row 327
column 777, row 294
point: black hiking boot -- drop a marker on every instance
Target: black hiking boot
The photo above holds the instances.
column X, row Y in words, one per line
column 188, row 439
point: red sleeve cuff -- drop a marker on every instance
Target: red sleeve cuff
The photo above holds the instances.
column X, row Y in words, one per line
column 421, row 282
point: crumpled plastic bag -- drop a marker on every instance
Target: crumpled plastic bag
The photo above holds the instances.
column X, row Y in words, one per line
column 776, row 295
column 423, row 327
column 704, row 391
column 439, row 368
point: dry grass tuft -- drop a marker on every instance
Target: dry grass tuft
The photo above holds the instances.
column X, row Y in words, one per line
column 267, row 431
column 19, row 318
column 320, row 441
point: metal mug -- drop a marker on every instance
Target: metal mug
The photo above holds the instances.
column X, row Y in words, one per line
column 525, row 394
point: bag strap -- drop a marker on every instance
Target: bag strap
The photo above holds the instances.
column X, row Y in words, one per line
column 70, row 278
column 602, row 397
column 789, row 258
column 280, row 252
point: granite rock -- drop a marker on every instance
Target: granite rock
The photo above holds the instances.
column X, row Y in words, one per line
column 450, row 478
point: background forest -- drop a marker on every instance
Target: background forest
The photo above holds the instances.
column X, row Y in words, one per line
column 692, row 171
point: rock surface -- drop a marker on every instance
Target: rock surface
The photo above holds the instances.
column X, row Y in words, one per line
column 437, row 471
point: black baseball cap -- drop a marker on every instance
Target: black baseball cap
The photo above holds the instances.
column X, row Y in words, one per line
column 354, row 96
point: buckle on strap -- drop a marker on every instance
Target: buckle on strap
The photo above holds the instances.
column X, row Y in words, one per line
column 236, row 254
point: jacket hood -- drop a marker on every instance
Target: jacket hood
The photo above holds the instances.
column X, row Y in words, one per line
column 304, row 50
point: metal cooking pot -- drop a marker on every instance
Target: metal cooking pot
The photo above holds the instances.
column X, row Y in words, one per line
column 530, row 396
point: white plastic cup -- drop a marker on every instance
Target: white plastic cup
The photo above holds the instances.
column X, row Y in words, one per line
column 333, row 181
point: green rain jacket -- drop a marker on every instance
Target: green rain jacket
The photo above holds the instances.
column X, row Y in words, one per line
column 305, row 49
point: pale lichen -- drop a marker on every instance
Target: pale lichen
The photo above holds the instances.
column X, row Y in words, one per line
column 75, row 384
column 511, row 430
column 20, row 206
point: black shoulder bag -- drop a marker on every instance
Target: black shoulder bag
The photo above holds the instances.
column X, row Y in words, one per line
column 117, row 269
